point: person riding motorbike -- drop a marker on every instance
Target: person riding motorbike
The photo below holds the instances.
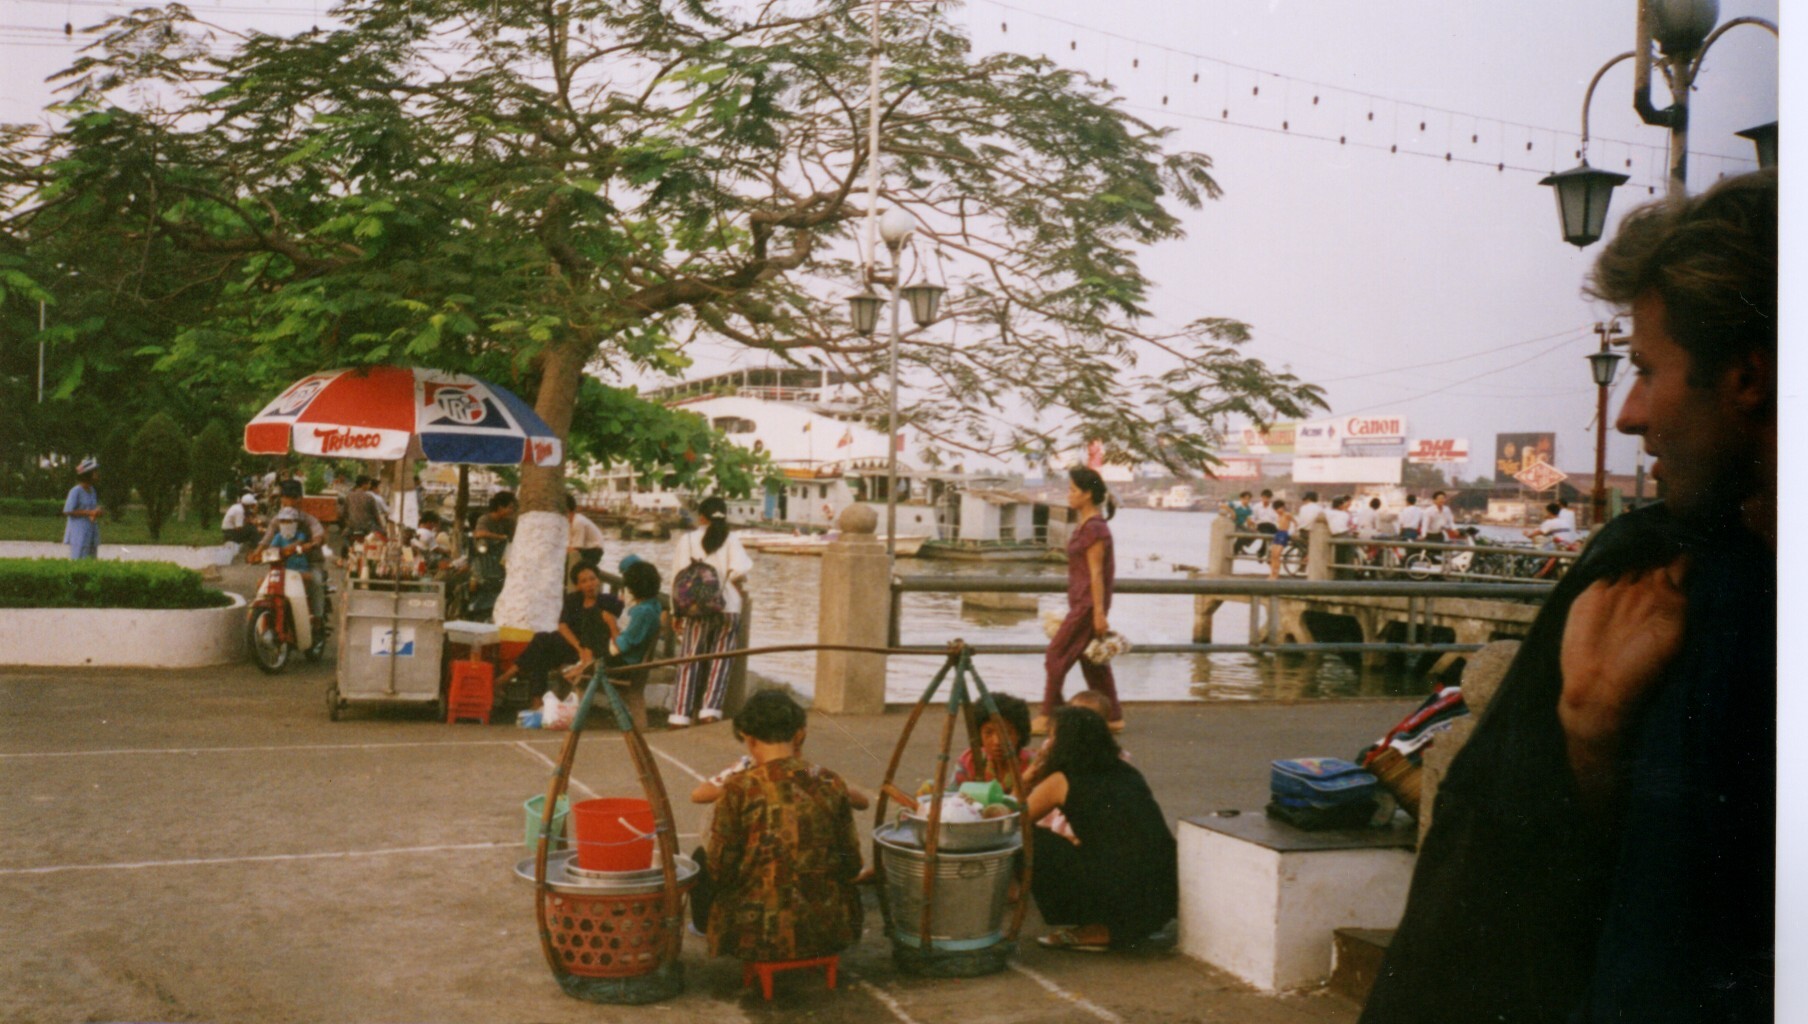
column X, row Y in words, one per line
column 310, row 542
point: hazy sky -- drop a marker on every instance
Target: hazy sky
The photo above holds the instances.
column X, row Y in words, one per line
column 1402, row 283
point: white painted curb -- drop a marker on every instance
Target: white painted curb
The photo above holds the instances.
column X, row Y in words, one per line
column 186, row 557
column 122, row 637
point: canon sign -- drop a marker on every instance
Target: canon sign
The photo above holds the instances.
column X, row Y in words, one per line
column 1375, row 430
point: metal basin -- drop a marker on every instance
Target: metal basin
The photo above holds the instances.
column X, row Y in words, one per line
column 970, row 891
column 564, row 876
column 990, row 834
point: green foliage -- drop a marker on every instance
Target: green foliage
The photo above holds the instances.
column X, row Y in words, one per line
column 213, row 466
column 671, row 446
column 30, row 507
column 55, row 583
column 330, row 198
column 159, row 468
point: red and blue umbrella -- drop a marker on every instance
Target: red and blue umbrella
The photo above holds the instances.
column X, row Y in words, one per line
column 393, row 412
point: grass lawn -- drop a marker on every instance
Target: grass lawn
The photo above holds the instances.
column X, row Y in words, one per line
column 113, row 531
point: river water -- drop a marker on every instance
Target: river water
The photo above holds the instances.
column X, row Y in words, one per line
column 1150, row 544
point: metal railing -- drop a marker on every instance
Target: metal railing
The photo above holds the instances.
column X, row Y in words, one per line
column 1418, row 597
column 1395, row 557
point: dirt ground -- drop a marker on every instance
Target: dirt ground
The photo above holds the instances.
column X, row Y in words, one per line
column 206, row 846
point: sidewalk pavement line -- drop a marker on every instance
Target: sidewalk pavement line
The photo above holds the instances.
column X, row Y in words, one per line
column 197, row 861
column 589, row 794
column 685, row 768
column 253, row 750
column 1080, row 1001
column 886, row 1000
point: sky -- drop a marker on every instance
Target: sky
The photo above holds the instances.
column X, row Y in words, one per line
column 1401, row 282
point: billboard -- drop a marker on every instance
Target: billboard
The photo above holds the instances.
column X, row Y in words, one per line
column 1444, row 449
column 1319, row 437
column 1276, row 440
column 1516, row 453
column 1374, row 430
column 1346, row 470
column 1237, row 467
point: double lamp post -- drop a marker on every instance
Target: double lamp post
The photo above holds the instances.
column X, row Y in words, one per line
column 1681, row 31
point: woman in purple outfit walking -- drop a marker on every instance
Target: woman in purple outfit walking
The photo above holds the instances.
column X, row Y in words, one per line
column 1091, row 572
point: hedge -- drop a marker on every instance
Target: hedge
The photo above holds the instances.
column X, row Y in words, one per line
column 30, row 507
column 60, row 583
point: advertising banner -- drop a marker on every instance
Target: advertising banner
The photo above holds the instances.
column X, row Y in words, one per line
column 1371, row 430
column 1516, row 453
column 1447, row 449
column 1346, row 470
column 1276, row 440
column 1237, row 467
column 1319, row 437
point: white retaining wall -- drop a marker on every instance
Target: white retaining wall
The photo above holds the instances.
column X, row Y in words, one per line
column 186, row 557
column 122, row 637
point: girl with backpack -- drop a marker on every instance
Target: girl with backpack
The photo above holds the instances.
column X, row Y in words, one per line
column 709, row 574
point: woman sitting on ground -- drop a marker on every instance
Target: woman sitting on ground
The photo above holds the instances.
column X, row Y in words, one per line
column 783, row 853
column 581, row 635
column 1117, row 880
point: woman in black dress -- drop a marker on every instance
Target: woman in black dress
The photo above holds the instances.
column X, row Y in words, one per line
column 1117, row 881
column 583, row 634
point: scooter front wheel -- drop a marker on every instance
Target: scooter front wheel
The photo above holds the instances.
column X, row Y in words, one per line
column 268, row 649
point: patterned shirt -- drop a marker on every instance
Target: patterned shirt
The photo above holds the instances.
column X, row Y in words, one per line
column 783, row 854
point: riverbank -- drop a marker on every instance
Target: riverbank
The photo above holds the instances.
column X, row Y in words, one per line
column 205, row 845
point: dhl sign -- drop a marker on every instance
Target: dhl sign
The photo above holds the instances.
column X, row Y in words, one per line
column 1423, row 450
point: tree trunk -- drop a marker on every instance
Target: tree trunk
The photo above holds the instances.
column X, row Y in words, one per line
column 531, row 595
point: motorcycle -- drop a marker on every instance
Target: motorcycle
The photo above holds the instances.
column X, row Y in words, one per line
column 278, row 623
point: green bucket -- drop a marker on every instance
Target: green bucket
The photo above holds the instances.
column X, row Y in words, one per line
column 536, row 808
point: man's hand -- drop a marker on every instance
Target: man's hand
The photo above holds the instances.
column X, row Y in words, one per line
column 1619, row 639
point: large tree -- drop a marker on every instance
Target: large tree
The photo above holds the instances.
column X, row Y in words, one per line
column 533, row 188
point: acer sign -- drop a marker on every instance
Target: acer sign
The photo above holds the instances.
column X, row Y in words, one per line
column 1319, row 437
column 1427, row 450
column 1374, row 430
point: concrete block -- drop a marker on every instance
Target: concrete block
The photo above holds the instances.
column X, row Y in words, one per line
column 1262, row 900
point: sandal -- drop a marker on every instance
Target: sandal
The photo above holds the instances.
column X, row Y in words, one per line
column 1069, row 939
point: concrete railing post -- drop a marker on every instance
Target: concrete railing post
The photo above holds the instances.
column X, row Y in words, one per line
column 1318, row 553
column 856, row 610
column 1222, row 557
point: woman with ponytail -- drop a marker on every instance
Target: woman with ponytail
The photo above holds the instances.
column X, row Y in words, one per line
column 1091, row 573
column 702, row 686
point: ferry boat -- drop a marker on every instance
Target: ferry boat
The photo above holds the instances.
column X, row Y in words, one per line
column 829, row 444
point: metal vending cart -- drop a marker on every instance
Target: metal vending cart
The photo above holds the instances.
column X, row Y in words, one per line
column 390, row 639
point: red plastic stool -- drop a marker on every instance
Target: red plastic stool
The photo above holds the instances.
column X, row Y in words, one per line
column 765, row 970
column 471, row 693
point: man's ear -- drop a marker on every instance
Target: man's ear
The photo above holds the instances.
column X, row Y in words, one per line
column 1751, row 382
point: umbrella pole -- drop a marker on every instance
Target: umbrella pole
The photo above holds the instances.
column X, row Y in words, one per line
column 460, row 509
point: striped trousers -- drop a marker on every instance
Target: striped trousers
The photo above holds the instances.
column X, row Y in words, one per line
column 702, row 686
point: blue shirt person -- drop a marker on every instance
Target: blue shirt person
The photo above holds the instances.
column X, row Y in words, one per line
column 81, row 513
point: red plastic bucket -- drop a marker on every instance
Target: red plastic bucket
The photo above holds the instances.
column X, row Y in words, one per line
column 614, row 834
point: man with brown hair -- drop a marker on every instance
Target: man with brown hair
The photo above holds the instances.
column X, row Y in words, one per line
column 1603, row 848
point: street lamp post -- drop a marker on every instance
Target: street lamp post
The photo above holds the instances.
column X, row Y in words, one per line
column 895, row 229
column 1602, row 365
column 1682, row 31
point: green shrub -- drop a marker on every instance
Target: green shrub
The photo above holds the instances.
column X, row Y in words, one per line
column 30, row 507
column 159, row 468
column 56, row 583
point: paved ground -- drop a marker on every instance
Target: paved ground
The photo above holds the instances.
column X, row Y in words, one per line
column 206, row 846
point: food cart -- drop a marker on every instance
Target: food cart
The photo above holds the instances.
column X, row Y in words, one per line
column 390, row 624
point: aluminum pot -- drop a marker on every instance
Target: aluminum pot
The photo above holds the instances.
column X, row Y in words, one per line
column 970, row 891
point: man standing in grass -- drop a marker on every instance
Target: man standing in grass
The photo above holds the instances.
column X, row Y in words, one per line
column 81, row 513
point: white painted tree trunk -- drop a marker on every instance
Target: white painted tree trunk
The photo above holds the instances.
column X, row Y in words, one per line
column 534, row 592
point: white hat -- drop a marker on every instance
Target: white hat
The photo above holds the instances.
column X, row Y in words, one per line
column 288, row 515
column 248, row 500
column 87, row 465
